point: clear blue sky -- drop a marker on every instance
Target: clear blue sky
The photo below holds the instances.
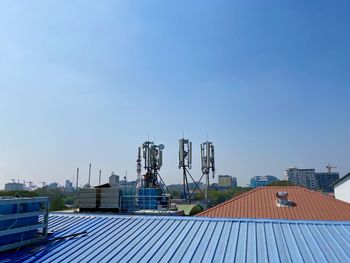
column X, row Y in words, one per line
column 89, row 81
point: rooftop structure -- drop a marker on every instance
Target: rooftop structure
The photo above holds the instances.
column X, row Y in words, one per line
column 342, row 188
column 190, row 239
column 263, row 203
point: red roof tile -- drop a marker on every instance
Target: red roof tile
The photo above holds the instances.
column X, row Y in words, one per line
column 261, row 203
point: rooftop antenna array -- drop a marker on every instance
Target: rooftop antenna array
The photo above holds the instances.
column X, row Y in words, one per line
column 138, row 168
column 153, row 161
column 185, row 163
column 208, row 163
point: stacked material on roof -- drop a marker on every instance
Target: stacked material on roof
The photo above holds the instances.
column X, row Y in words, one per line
column 98, row 199
column 190, row 239
column 262, row 202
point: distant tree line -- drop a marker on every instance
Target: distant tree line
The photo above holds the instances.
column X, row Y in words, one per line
column 215, row 196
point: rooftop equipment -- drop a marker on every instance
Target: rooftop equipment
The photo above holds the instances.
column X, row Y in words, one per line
column 185, row 163
column 150, row 194
column 23, row 221
column 99, row 199
column 138, row 169
column 282, row 199
column 153, row 161
column 208, row 163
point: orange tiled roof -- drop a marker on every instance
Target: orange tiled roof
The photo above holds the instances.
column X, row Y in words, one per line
column 261, row 203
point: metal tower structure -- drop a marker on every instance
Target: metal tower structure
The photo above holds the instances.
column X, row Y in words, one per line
column 185, row 163
column 208, row 163
column 138, row 167
column 153, row 161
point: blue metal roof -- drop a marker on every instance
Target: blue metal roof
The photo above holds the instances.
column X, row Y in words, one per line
column 185, row 239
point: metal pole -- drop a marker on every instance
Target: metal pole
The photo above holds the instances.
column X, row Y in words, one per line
column 76, row 188
column 76, row 191
column 184, row 182
column 89, row 174
column 99, row 178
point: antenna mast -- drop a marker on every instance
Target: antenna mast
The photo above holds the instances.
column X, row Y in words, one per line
column 208, row 163
column 185, row 162
column 153, row 157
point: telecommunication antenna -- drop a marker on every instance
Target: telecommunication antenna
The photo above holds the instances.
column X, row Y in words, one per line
column 138, row 167
column 208, row 163
column 185, row 163
column 153, row 161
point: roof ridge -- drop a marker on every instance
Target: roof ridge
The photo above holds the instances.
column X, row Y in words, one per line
column 230, row 200
column 244, row 194
column 326, row 196
column 317, row 196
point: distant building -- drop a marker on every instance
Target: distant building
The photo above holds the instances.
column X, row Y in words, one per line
column 303, row 177
column 114, row 180
column 342, row 188
column 311, row 180
column 53, row 186
column 325, row 181
column 227, row 181
column 14, row 187
column 68, row 187
column 259, row 181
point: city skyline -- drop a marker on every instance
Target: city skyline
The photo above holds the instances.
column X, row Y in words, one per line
column 86, row 82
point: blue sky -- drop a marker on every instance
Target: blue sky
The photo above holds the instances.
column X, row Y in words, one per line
column 86, row 81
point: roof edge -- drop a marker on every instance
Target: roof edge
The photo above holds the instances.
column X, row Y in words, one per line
column 341, row 179
column 204, row 218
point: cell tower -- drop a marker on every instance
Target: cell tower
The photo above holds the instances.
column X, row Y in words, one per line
column 153, row 161
column 208, row 163
column 185, row 163
column 138, row 167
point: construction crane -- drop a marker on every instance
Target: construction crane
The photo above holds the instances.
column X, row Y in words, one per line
column 329, row 167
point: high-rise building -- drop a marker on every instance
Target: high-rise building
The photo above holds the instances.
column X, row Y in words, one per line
column 227, row 181
column 259, row 181
column 312, row 180
column 303, row 177
column 325, row 181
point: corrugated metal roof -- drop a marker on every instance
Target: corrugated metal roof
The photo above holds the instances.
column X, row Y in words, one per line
column 185, row 239
column 261, row 203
